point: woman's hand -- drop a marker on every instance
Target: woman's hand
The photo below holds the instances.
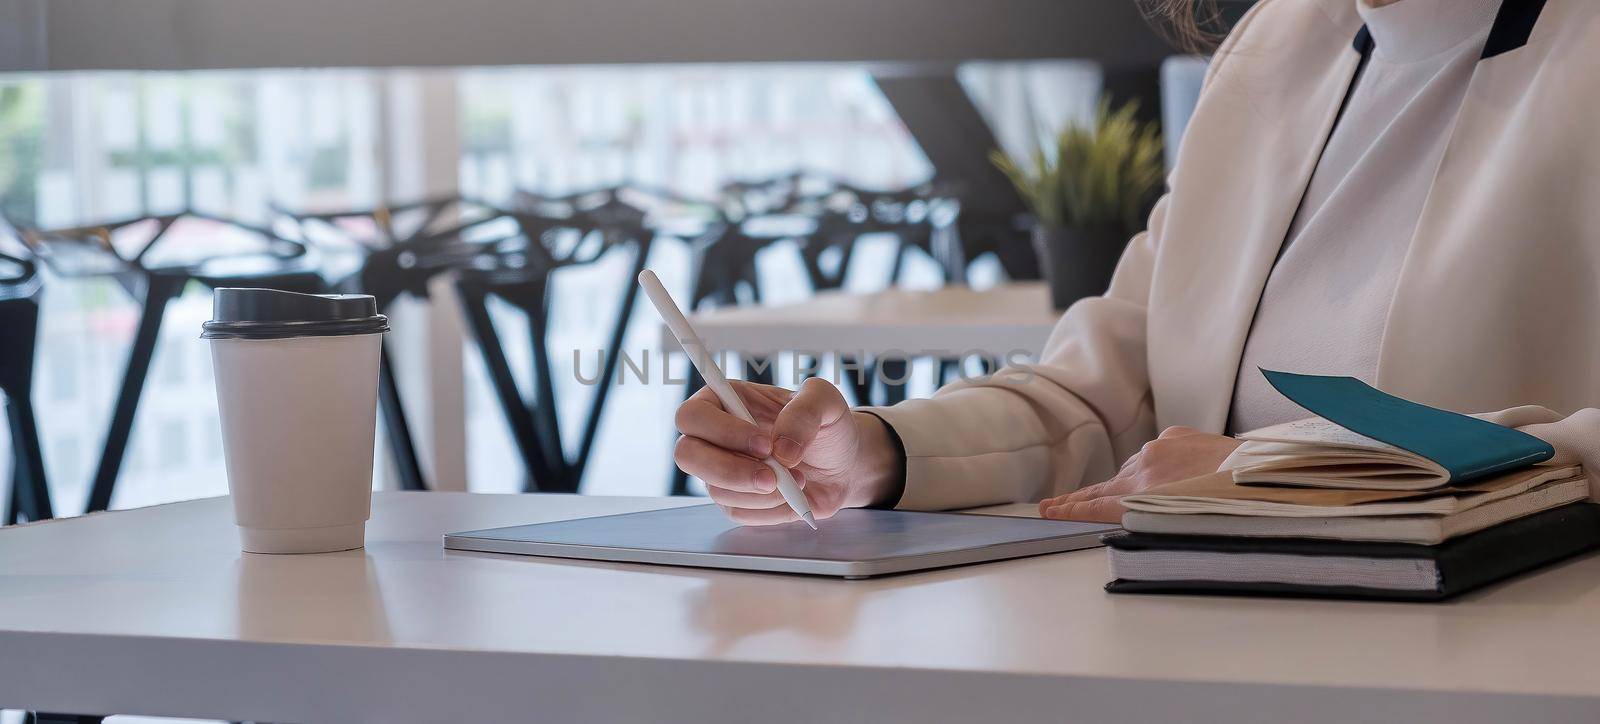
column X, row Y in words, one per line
column 1179, row 453
column 840, row 458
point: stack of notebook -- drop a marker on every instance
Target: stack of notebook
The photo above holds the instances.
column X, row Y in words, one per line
column 1377, row 497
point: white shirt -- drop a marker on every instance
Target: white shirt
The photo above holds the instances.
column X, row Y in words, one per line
column 1326, row 301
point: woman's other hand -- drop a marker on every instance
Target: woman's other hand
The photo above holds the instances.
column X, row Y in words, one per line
column 1179, row 453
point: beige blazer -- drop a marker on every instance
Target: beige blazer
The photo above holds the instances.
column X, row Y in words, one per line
column 1497, row 305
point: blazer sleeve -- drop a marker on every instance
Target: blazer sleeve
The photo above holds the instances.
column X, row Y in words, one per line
column 1072, row 419
column 1027, row 432
column 1575, row 437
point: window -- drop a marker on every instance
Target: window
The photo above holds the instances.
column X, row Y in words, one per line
column 174, row 443
column 211, row 439
column 61, row 380
column 83, row 147
column 66, row 457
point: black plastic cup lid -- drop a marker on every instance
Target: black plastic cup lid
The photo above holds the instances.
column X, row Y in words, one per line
column 240, row 313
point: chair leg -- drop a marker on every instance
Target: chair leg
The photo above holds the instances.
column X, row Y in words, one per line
column 13, row 515
column 759, row 371
column 591, row 426
column 474, row 302
column 30, row 494
column 680, row 482
column 863, row 374
column 401, row 444
column 19, row 470
column 546, row 409
column 898, row 370
column 949, row 369
column 160, row 290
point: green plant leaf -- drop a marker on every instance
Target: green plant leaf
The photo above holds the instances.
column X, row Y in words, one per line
column 1101, row 176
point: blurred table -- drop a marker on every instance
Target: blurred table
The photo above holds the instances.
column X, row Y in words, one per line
column 947, row 322
column 155, row 611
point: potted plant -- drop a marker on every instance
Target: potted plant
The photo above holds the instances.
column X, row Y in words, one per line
column 1088, row 195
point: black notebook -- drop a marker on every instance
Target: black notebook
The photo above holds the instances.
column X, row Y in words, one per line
column 1148, row 563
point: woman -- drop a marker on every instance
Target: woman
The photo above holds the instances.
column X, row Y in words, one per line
column 1405, row 191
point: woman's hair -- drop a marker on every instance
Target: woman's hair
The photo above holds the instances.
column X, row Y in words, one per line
column 1194, row 26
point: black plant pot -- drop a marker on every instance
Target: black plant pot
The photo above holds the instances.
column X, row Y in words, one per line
column 1077, row 262
column 1018, row 259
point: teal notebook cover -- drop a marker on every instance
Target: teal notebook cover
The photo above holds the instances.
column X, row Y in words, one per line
column 1467, row 447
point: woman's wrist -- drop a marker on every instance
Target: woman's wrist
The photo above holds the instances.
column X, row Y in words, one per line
column 880, row 464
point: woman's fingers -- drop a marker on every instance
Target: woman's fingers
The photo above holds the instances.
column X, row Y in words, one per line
column 1099, row 510
column 768, row 508
column 702, row 416
column 1081, row 495
column 1089, row 493
column 720, row 468
column 818, row 403
column 1178, row 454
column 761, row 516
column 1129, row 481
column 756, row 394
column 739, row 499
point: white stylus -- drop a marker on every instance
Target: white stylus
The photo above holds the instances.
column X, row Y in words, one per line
column 692, row 346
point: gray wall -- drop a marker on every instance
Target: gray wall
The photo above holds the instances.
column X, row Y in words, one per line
column 22, row 34
column 174, row 34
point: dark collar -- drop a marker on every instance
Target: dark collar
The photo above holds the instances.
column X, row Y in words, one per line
column 1363, row 41
column 1512, row 26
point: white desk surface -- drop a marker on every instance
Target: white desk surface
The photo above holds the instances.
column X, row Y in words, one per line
column 154, row 611
column 996, row 321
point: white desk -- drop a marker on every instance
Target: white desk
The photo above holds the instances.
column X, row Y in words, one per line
column 154, row 611
column 953, row 320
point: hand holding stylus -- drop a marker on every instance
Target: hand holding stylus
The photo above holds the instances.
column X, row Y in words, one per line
column 839, row 457
column 707, row 367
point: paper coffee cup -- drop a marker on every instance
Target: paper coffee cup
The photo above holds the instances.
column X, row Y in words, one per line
column 297, row 388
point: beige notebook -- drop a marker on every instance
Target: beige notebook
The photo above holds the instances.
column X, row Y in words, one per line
column 1426, row 529
column 1218, row 493
column 1319, row 453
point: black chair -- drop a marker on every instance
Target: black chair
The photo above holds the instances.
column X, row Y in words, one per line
column 972, row 233
column 799, row 207
column 398, row 249
column 917, row 219
column 552, row 234
column 29, row 498
column 154, row 275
